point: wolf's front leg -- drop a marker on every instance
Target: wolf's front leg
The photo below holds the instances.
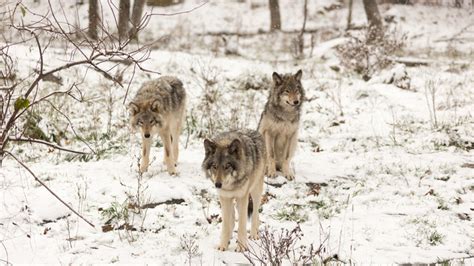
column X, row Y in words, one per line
column 269, row 145
column 169, row 161
column 289, row 151
column 242, row 205
column 146, row 146
column 175, row 144
column 227, row 223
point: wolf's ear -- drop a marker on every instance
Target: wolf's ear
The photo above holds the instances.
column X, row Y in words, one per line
column 209, row 146
column 155, row 106
column 277, row 78
column 298, row 75
column 133, row 108
column 234, row 147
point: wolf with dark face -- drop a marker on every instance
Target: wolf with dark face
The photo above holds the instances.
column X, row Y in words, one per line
column 159, row 108
column 235, row 162
column 279, row 122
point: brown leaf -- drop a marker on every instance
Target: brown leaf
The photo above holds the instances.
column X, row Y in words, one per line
column 107, row 228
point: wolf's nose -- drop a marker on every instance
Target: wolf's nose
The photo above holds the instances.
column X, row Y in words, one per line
column 218, row 184
column 296, row 102
column 147, row 135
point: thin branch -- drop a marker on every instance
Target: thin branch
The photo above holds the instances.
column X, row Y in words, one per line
column 180, row 12
column 72, row 127
column 31, row 140
column 49, row 190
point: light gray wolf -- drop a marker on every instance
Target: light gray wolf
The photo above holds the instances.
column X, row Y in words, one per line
column 279, row 122
column 159, row 107
column 235, row 162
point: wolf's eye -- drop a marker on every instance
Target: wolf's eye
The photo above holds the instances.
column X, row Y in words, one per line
column 229, row 166
column 287, row 91
column 214, row 166
column 140, row 122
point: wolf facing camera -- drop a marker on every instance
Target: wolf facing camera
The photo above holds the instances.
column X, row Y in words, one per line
column 279, row 122
column 235, row 163
column 159, row 108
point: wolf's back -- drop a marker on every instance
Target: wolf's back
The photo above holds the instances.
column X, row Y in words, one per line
column 167, row 89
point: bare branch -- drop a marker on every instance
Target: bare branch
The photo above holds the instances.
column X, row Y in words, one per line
column 181, row 12
column 31, row 140
column 47, row 188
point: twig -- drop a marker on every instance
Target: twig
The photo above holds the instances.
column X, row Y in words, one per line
column 31, row 140
column 47, row 188
column 7, row 262
column 180, row 12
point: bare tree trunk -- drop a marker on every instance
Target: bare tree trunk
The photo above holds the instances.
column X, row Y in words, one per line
column 300, row 42
column 93, row 18
column 136, row 18
column 374, row 19
column 275, row 18
column 349, row 15
column 124, row 18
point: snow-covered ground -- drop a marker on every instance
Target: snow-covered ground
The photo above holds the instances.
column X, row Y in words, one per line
column 377, row 180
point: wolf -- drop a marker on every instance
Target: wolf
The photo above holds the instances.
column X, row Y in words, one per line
column 159, row 108
column 279, row 122
column 235, row 163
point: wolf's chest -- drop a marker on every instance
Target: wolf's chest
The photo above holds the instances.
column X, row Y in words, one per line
column 282, row 127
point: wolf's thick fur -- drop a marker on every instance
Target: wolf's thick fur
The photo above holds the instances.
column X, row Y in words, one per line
column 159, row 108
column 235, row 162
column 279, row 122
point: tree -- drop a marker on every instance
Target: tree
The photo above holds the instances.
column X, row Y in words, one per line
column 124, row 18
column 23, row 91
column 93, row 18
column 349, row 15
column 136, row 17
column 373, row 18
column 275, row 19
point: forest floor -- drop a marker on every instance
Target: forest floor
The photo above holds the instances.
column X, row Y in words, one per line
column 383, row 174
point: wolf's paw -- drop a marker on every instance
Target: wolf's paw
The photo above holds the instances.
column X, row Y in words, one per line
column 143, row 168
column 271, row 173
column 222, row 247
column 173, row 172
column 254, row 236
column 288, row 173
column 241, row 247
column 290, row 177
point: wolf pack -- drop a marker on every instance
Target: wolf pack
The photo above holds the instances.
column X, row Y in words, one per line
column 235, row 161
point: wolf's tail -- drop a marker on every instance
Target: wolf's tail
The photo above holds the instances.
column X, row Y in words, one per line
column 250, row 207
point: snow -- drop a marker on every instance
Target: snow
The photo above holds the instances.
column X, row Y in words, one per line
column 394, row 188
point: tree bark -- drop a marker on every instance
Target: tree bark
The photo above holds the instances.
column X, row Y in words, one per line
column 124, row 18
column 300, row 48
column 136, row 18
column 93, row 18
column 374, row 19
column 349, row 15
column 275, row 19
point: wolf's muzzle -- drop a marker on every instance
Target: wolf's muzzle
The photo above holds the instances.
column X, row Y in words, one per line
column 218, row 184
column 147, row 135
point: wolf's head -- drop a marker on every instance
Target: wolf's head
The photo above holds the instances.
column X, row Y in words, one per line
column 222, row 162
column 287, row 90
column 146, row 116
